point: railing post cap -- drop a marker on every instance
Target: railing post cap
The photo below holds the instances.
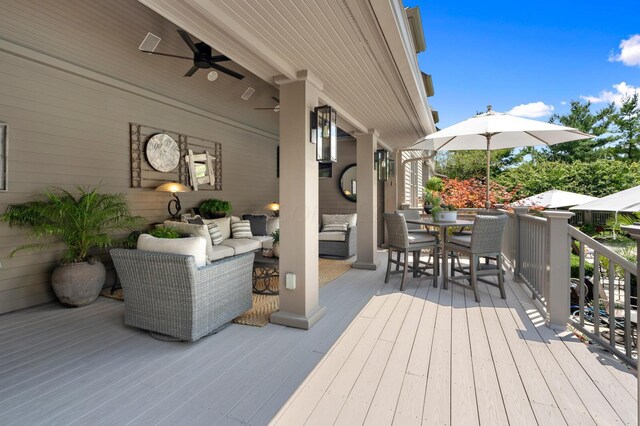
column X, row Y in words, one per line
column 557, row 214
column 520, row 209
column 633, row 230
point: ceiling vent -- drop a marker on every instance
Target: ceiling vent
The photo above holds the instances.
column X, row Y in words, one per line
column 247, row 93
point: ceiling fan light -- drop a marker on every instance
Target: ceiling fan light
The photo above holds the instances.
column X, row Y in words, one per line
column 212, row 76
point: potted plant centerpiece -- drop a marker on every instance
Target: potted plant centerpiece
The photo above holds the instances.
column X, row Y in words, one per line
column 214, row 208
column 81, row 223
column 441, row 212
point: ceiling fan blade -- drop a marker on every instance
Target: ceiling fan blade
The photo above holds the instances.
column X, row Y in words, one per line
column 227, row 71
column 167, row 54
column 267, row 108
column 192, row 71
column 187, row 39
column 219, row 58
column 275, row 99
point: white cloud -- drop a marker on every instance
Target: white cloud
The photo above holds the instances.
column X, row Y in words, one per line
column 532, row 110
column 629, row 52
column 622, row 91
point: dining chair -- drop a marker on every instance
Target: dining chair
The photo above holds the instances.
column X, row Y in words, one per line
column 485, row 241
column 403, row 242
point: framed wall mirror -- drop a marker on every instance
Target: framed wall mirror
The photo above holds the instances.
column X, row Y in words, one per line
column 348, row 184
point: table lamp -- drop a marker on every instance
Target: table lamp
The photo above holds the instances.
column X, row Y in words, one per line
column 174, row 204
column 274, row 207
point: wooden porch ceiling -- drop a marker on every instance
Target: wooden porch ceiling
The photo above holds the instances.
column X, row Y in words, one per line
column 353, row 47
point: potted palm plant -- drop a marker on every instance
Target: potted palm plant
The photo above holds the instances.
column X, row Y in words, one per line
column 432, row 191
column 81, row 223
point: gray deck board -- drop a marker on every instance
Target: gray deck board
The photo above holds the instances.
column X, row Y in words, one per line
column 425, row 355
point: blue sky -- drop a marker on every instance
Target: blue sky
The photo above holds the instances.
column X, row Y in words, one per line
column 508, row 53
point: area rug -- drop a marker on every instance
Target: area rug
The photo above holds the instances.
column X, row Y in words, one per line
column 263, row 305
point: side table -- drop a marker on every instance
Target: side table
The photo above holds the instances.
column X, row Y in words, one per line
column 264, row 269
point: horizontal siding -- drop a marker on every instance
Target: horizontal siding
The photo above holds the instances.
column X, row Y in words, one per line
column 331, row 201
column 67, row 130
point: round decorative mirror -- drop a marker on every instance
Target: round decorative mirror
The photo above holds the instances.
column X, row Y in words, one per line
column 348, row 184
column 163, row 152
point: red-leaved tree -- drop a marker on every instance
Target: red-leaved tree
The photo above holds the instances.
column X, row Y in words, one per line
column 471, row 193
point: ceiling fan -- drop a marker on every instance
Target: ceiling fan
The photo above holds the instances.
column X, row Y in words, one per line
column 202, row 57
column 275, row 108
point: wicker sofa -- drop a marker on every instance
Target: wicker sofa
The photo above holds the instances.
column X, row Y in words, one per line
column 336, row 244
column 168, row 294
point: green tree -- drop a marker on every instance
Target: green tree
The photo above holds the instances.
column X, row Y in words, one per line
column 473, row 164
column 580, row 117
column 625, row 127
column 597, row 178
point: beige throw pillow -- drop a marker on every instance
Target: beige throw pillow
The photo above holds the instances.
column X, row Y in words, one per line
column 197, row 230
column 192, row 246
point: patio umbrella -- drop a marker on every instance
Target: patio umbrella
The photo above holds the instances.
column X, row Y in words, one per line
column 555, row 199
column 623, row 201
column 495, row 130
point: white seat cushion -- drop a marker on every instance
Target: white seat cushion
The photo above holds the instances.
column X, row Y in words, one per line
column 463, row 240
column 421, row 238
column 240, row 246
column 332, row 236
column 351, row 219
column 220, row 252
column 191, row 246
column 265, row 240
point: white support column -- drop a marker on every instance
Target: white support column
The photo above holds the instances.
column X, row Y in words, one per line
column 366, row 145
column 298, row 205
column 634, row 231
column 557, row 291
column 517, row 270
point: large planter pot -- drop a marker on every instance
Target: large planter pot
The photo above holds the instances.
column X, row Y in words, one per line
column 213, row 215
column 427, row 208
column 276, row 249
column 446, row 216
column 78, row 284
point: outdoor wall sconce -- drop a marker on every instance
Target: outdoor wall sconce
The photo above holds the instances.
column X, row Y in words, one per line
column 274, row 207
column 384, row 164
column 174, row 204
column 324, row 133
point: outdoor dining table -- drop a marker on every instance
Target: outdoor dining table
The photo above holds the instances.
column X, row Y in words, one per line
column 442, row 227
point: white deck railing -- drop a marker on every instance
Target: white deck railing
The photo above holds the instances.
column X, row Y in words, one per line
column 537, row 251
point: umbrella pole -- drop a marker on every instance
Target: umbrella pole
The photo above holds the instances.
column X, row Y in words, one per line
column 487, row 203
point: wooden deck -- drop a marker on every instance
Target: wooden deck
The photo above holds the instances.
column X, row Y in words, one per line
column 378, row 357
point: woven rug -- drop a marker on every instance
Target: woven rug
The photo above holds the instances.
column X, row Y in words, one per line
column 263, row 305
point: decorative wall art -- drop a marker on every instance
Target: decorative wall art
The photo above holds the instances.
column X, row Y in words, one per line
column 4, row 150
column 159, row 155
column 201, row 170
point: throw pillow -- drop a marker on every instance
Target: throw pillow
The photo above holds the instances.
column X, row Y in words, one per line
column 192, row 246
column 335, row 227
column 241, row 229
column 224, row 224
column 196, row 221
column 351, row 219
column 199, row 230
column 258, row 223
column 273, row 223
column 216, row 234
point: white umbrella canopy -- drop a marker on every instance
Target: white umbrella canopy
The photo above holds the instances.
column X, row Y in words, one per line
column 555, row 199
column 496, row 130
column 623, row 201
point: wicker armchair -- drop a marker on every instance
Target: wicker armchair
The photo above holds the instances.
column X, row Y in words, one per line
column 343, row 249
column 484, row 241
column 167, row 294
